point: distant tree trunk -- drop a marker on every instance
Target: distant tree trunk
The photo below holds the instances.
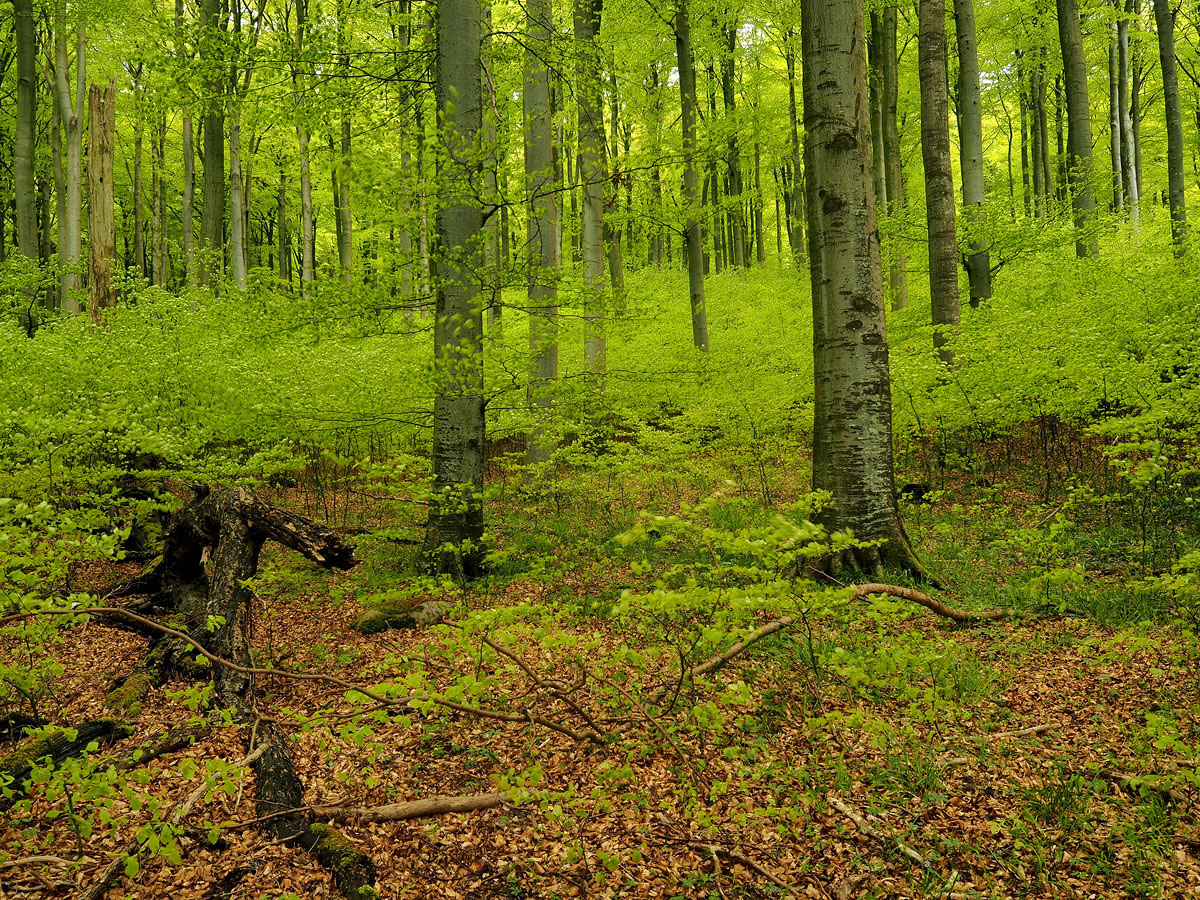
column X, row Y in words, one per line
column 733, row 157
column 1131, row 159
column 237, row 220
column 693, row 241
column 1164, row 18
column 939, row 177
column 979, row 272
column 1048, row 189
column 281, row 228
column 158, row 206
column 1025, row 183
column 212, row 216
column 875, row 53
column 189, row 198
column 307, row 227
column 1060, row 167
column 139, row 199
column 892, row 160
column 25, row 138
column 102, row 237
column 796, row 207
column 71, row 115
column 342, row 162
column 1133, row 8
column 612, row 233
column 758, row 205
column 852, row 433
column 1079, row 126
column 540, row 185
column 491, row 186
column 1114, row 120
column 592, row 175
column 454, row 540
column 1036, row 140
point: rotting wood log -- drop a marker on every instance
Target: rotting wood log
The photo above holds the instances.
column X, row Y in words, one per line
column 13, row 725
column 411, row 809
column 170, row 740
column 56, row 745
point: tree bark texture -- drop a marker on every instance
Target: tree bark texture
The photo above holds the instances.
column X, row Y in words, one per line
column 592, row 177
column 693, row 241
column 970, row 142
column 25, row 138
column 542, row 290
column 892, row 160
column 939, row 177
column 852, row 440
column 455, row 528
column 1164, row 17
column 102, row 237
column 1079, row 127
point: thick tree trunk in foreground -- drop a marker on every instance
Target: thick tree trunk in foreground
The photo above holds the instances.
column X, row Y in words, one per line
column 1079, row 127
column 1164, row 17
column 979, row 272
column 455, row 529
column 102, row 236
column 939, row 177
column 693, row 240
column 852, row 436
column 541, row 213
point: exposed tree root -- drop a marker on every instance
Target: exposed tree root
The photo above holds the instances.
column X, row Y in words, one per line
column 958, row 615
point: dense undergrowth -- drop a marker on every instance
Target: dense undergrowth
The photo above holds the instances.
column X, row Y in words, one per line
column 1056, row 466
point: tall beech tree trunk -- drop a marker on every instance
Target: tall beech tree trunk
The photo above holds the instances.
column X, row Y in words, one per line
column 139, row 194
column 1130, row 159
column 1026, row 186
column 454, row 539
column 979, row 272
column 1114, row 120
column 1036, row 139
column 1079, row 127
column 693, row 240
column 852, row 429
column 1133, row 9
column 308, row 237
column 741, row 258
column 71, row 115
column 102, row 236
column 939, row 176
column 1164, row 18
column 593, row 177
column 212, row 215
column 237, row 221
column 759, row 246
column 795, row 210
column 613, row 234
column 24, row 141
column 892, row 161
column 343, row 159
column 542, row 289
column 875, row 52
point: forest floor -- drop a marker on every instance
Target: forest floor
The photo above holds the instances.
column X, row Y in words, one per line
column 901, row 717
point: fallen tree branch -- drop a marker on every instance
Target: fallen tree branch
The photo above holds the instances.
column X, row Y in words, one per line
column 56, row 861
column 411, row 809
column 1022, row 732
column 100, row 886
column 958, row 615
column 751, row 864
column 866, row 828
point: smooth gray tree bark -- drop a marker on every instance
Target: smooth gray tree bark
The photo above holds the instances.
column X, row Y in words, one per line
column 1130, row 179
column 970, row 149
column 102, row 237
column 852, row 434
column 892, row 160
column 593, row 176
column 25, row 137
column 541, row 211
column 454, row 537
column 733, row 156
column 1114, row 120
column 693, row 239
column 1079, row 127
column 1164, row 18
column 939, row 176
column 212, row 215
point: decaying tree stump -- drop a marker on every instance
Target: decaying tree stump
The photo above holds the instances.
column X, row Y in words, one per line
column 210, row 551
